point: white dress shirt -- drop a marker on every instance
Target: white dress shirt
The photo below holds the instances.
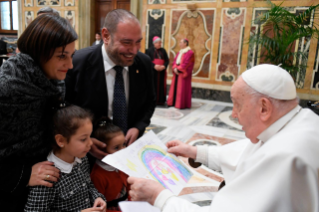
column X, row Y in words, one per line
column 110, row 80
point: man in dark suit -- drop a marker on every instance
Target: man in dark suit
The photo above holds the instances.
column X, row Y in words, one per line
column 98, row 39
column 93, row 82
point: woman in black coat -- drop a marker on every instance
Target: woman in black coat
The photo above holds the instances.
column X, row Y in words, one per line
column 29, row 83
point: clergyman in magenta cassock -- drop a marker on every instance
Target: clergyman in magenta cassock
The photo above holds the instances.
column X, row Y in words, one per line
column 180, row 93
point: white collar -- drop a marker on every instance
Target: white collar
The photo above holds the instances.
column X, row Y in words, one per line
column 278, row 125
column 65, row 167
column 108, row 63
column 186, row 49
column 105, row 166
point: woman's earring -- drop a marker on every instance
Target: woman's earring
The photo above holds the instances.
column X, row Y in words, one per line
column 62, row 145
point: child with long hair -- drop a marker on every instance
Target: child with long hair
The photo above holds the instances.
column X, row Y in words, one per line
column 74, row 191
column 109, row 181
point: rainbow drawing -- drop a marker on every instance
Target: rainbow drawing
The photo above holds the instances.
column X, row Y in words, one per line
column 165, row 168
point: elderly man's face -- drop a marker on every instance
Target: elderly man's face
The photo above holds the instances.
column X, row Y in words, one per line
column 124, row 44
column 158, row 45
column 245, row 110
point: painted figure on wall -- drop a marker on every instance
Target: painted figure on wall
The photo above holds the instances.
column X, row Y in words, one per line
column 160, row 62
column 180, row 93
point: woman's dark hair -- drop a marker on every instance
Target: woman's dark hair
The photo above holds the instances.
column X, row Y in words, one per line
column 104, row 130
column 67, row 120
column 43, row 35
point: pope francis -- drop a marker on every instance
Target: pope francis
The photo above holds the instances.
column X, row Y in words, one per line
column 275, row 170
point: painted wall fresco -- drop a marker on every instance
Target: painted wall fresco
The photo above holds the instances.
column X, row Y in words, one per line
column 219, row 31
column 192, row 0
column 197, row 27
column 231, row 39
column 28, row 3
column 156, row 1
column 155, row 26
column 48, row 2
column 66, row 8
column 29, row 16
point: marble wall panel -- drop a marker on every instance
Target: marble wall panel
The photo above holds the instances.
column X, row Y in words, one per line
column 197, row 26
column 231, row 38
column 155, row 26
column 209, row 94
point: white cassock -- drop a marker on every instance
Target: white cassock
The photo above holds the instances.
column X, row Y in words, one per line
column 279, row 173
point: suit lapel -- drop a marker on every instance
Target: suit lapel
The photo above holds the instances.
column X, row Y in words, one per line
column 98, row 74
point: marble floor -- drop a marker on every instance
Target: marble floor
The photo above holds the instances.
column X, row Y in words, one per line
column 206, row 123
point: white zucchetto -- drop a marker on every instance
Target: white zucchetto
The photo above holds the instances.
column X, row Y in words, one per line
column 272, row 81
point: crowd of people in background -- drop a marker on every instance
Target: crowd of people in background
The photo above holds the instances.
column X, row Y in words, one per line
column 57, row 105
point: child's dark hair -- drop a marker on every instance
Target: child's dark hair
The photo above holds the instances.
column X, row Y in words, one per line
column 67, row 120
column 104, row 130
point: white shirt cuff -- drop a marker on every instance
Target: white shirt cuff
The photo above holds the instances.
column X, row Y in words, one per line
column 202, row 155
column 162, row 198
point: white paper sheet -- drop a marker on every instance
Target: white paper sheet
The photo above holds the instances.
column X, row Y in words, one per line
column 148, row 158
column 127, row 206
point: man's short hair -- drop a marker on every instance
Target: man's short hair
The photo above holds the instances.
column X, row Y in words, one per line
column 114, row 17
column 47, row 10
column 185, row 41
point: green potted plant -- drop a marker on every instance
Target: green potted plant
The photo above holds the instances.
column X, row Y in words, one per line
column 280, row 31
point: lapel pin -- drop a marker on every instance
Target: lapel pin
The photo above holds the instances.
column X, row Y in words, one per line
column 137, row 71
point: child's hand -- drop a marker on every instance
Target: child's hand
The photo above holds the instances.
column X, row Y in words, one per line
column 100, row 203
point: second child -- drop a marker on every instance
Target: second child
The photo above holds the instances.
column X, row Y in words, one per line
column 109, row 181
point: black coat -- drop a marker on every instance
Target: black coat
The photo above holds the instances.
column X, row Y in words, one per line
column 86, row 86
column 25, row 117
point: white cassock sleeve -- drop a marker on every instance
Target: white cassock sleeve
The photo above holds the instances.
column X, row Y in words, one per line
column 223, row 158
column 219, row 158
column 268, row 184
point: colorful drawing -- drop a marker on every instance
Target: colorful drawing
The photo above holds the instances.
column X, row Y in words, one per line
column 131, row 165
column 148, row 158
column 162, row 166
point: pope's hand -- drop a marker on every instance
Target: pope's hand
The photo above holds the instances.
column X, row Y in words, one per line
column 179, row 148
column 144, row 189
